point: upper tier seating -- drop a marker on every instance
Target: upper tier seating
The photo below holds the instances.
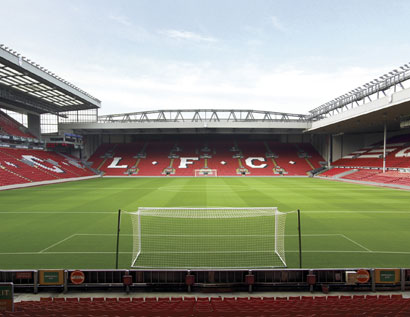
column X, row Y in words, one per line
column 11, row 127
column 397, row 157
column 397, row 154
column 182, row 158
column 382, row 305
column 18, row 166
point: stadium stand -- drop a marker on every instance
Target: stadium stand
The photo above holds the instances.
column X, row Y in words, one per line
column 222, row 158
column 156, row 159
column 289, row 159
column 10, row 126
column 360, row 305
column 228, row 157
column 390, row 177
column 18, row 166
column 366, row 164
column 397, row 149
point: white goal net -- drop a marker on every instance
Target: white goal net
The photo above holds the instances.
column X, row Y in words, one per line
column 206, row 172
column 208, row 238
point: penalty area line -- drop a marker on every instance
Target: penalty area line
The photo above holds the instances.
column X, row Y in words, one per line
column 57, row 243
column 351, row 251
column 356, row 243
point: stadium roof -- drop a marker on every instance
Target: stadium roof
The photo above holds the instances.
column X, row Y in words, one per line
column 203, row 115
column 193, row 121
column 25, row 85
column 377, row 88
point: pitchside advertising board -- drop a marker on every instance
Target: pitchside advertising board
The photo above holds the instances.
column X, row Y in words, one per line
column 51, row 277
column 6, row 297
column 77, row 277
column 387, row 276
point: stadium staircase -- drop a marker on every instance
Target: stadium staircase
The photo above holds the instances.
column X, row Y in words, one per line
column 318, row 306
column 134, row 169
column 8, row 177
column 288, row 159
column 338, row 172
column 222, row 159
column 156, row 159
column 313, row 157
column 275, row 164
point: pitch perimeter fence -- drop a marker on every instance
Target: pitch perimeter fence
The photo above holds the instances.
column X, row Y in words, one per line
column 200, row 280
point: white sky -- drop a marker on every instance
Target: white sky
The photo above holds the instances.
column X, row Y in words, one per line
column 289, row 56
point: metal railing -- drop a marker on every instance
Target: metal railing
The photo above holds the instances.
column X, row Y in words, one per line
column 291, row 279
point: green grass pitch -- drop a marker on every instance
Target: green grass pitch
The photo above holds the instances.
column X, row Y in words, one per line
column 73, row 225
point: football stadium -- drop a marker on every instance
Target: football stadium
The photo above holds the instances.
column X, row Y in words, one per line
column 202, row 200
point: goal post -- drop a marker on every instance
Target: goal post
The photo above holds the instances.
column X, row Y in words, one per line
column 208, row 238
column 206, row 172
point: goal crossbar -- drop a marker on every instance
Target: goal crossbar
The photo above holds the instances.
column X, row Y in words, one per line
column 206, row 172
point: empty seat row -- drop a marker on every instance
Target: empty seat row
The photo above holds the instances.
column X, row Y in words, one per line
column 18, row 166
column 386, row 305
column 227, row 156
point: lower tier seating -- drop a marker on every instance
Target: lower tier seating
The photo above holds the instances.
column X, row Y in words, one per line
column 225, row 155
column 377, row 176
column 382, row 305
column 18, row 166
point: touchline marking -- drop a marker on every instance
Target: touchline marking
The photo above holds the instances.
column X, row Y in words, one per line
column 313, row 235
column 63, row 252
column 288, row 212
column 58, row 212
column 207, row 252
column 82, row 188
column 357, row 243
column 176, row 252
column 57, row 243
column 353, row 251
column 212, row 235
column 104, row 234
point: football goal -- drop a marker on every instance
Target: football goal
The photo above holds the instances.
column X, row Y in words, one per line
column 206, row 172
column 208, row 238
